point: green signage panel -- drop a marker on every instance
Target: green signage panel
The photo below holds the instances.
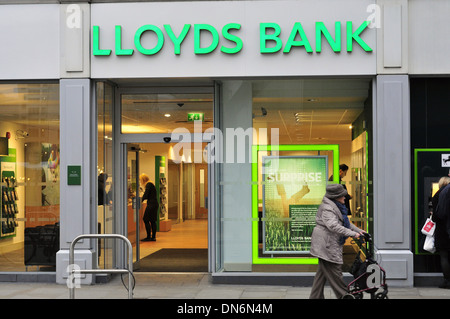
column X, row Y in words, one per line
column 195, row 117
column 74, row 175
column 269, row 38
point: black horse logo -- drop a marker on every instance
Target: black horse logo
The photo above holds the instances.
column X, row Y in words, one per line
column 446, row 160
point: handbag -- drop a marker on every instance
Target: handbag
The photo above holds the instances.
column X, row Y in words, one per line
column 429, row 227
column 429, row 244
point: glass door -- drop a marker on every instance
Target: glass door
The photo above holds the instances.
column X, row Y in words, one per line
column 133, row 202
column 176, row 238
column 160, row 134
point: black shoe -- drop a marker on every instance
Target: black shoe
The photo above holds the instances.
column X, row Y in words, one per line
column 146, row 239
column 152, row 239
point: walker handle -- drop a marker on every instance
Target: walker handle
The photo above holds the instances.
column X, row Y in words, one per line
column 367, row 237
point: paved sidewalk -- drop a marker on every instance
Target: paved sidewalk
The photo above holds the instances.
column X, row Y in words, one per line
column 188, row 286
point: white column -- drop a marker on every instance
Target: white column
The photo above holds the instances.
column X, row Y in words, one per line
column 392, row 178
column 236, row 197
column 75, row 148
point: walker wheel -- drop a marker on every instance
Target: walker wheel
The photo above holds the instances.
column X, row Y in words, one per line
column 381, row 295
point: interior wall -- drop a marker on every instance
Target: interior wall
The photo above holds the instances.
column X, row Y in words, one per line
column 187, row 169
column 28, row 154
column 18, row 144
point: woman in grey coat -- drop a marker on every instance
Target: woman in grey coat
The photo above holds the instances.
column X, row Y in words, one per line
column 331, row 230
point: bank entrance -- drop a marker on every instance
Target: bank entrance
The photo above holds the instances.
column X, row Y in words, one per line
column 144, row 149
column 181, row 190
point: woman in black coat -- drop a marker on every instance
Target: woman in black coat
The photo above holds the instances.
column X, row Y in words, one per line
column 151, row 211
column 440, row 206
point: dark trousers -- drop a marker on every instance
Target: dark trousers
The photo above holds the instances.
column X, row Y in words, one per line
column 150, row 228
column 332, row 273
column 445, row 264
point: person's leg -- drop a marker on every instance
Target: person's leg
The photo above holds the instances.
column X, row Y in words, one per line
column 445, row 265
column 333, row 273
column 148, row 230
column 319, row 283
column 153, row 222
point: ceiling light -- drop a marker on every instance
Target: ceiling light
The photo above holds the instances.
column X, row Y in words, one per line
column 350, row 126
column 167, row 115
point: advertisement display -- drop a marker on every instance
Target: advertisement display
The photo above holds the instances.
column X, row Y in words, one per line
column 293, row 188
column 430, row 164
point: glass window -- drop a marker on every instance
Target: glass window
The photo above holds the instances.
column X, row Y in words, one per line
column 429, row 121
column 302, row 133
column 316, row 118
column 105, row 215
column 29, row 125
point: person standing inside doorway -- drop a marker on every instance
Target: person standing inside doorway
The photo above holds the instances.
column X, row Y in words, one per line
column 151, row 211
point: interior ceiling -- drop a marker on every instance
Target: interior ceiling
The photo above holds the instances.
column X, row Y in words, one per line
column 163, row 113
column 30, row 106
column 304, row 111
column 310, row 111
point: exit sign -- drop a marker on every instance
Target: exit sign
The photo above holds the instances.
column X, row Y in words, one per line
column 195, row 117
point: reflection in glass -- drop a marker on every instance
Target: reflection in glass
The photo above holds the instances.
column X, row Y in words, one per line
column 306, row 112
column 29, row 233
column 319, row 111
column 105, row 215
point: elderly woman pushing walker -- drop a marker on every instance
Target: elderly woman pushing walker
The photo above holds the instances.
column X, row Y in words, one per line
column 331, row 230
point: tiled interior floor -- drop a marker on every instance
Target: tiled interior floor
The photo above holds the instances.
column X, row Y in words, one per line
column 187, row 234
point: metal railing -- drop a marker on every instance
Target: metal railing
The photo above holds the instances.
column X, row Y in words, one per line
column 74, row 271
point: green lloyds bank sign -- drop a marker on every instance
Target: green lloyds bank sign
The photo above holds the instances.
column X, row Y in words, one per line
column 228, row 41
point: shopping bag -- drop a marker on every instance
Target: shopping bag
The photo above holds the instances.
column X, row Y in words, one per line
column 429, row 244
column 429, row 227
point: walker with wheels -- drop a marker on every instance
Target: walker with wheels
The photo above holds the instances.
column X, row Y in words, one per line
column 369, row 276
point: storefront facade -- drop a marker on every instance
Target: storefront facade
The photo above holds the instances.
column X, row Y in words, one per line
column 228, row 96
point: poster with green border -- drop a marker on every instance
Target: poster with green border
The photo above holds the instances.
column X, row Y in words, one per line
column 293, row 188
column 256, row 149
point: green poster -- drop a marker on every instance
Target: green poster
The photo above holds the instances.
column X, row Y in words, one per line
column 293, row 188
